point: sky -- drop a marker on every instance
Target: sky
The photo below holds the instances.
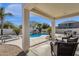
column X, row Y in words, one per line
column 40, row 19
column 16, row 10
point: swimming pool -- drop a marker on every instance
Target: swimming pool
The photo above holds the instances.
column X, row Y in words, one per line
column 37, row 35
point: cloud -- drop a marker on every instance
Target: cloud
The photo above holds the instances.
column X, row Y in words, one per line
column 15, row 9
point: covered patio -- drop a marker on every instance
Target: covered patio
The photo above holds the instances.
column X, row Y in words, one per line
column 53, row 12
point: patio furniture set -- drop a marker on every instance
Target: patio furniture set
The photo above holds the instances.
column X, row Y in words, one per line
column 65, row 47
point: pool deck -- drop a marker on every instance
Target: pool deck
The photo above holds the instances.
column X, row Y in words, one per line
column 17, row 42
column 38, row 40
column 33, row 41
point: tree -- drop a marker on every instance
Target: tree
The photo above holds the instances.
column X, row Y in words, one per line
column 49, row 30
column 45, row 26
column 8, row 24
column 2, row 16
column 17, row 31
column 39, row 27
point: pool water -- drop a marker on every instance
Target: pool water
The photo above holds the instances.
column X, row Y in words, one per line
column 37, row 35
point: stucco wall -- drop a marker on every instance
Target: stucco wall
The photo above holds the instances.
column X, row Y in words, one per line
column 7, row 31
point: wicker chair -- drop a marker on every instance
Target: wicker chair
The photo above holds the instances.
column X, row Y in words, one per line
column 75, row 39
column 66, row 37
column 64, row 49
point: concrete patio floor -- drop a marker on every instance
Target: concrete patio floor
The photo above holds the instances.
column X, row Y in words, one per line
column 34, row 51
column 42, row 49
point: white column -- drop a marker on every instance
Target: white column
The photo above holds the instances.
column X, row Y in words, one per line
column 53, row 29
column 25, row 31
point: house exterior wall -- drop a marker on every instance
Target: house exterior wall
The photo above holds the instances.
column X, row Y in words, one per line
column 68, row 25
column 74, row 26
column 61, row 31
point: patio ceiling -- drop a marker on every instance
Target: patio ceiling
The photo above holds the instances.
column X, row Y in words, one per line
column 54, row 10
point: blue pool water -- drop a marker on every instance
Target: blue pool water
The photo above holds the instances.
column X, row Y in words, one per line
column 37, row 35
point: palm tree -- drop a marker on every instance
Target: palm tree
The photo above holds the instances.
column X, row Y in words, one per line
column 2, row 16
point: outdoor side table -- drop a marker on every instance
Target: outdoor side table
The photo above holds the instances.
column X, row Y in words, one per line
column 11, row 50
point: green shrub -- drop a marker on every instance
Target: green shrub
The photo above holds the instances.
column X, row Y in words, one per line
column 16, row 30
column 49, row 29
